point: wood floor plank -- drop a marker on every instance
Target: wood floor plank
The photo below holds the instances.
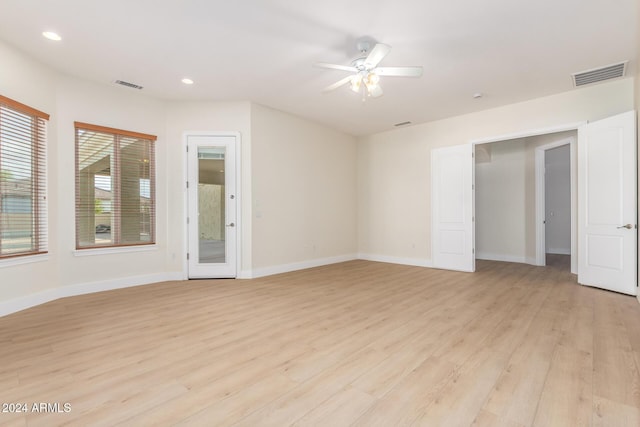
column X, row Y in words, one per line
column 516, row 392
column 404, row 402
column 115, row 411
column 462, row 398
column 231, row 408
column 295, row 404
column 631, row 319
column 488, row 419
column 566, row 398
column 616, row 375
column 341, row 409
column 212, row 396
column 389, row 372
column 13, row 420
column 612, row 414
column 357, row 343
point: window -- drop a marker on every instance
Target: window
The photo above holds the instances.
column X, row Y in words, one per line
column 12, row 204
column 23, row 196
column 115, row 187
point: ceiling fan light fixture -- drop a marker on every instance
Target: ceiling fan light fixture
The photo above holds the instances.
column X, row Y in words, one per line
column 373, row 79
column 374, row 91
column 356, row 81
column 366, row 71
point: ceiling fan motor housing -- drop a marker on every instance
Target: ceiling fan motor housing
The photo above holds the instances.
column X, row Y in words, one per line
column 363, row 46
column 359, row 63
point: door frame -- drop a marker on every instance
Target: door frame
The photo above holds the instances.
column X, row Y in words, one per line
column 537, row 132
column 238, row 194
column 540, row 200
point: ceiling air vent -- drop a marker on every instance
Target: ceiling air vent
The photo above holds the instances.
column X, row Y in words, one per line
column 599, row 74
column 127, row 84
column 402, row 124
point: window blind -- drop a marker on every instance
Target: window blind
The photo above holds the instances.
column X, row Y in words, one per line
column 23, row 195
column 115, row 187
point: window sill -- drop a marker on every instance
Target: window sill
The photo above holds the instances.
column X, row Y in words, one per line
column 118, row 250
column 27, row 259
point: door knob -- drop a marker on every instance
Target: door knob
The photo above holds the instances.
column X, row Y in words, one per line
column 627, row 226
column 231, row 225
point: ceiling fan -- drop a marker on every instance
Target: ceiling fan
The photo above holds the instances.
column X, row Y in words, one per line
column 366, row 73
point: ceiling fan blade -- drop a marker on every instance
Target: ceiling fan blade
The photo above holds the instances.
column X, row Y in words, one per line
column 337, row 84
column 378, row 53
column 375, row 91
column 336, row 67
column 399, row 71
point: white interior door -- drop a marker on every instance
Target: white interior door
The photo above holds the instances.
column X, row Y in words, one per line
column 212, row 205
column 607, row 232
column 452, row 198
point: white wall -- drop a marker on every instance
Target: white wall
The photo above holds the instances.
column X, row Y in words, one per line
column 298, row 186
column 558, row 200
column 393, row 196
column 304, row 173
column 70, row 99
column 120, row 108
column 31, row 83
column 67, row 100
column 304, row 192
column 393, row 167
column 500, row 203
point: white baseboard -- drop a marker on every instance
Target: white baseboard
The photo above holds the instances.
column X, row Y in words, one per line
column 561, row 251
column 22, row 303
column 501, row 257
column 532, row 261
column 244, row 274
column 418, row 262
column 506, row 258
column 285, row 268
column 125, row 282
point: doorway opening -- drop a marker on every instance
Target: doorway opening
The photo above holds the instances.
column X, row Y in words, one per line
column 605, row 242
column 511, row 221
column 554, row 207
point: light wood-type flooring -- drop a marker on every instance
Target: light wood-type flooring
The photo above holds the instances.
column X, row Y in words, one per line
column 358, row 343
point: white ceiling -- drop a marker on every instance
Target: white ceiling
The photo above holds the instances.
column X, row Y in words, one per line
column 263, row 50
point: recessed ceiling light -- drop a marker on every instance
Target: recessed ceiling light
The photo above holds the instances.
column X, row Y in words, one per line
column 52, row 36
column 187, row 81
column 478, row 95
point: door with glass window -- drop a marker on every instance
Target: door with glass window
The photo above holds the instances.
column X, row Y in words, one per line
column 211, row 220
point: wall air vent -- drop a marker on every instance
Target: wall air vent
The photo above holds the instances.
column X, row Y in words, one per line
column 599, row 74
column 127, row 84
column 402, row 124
